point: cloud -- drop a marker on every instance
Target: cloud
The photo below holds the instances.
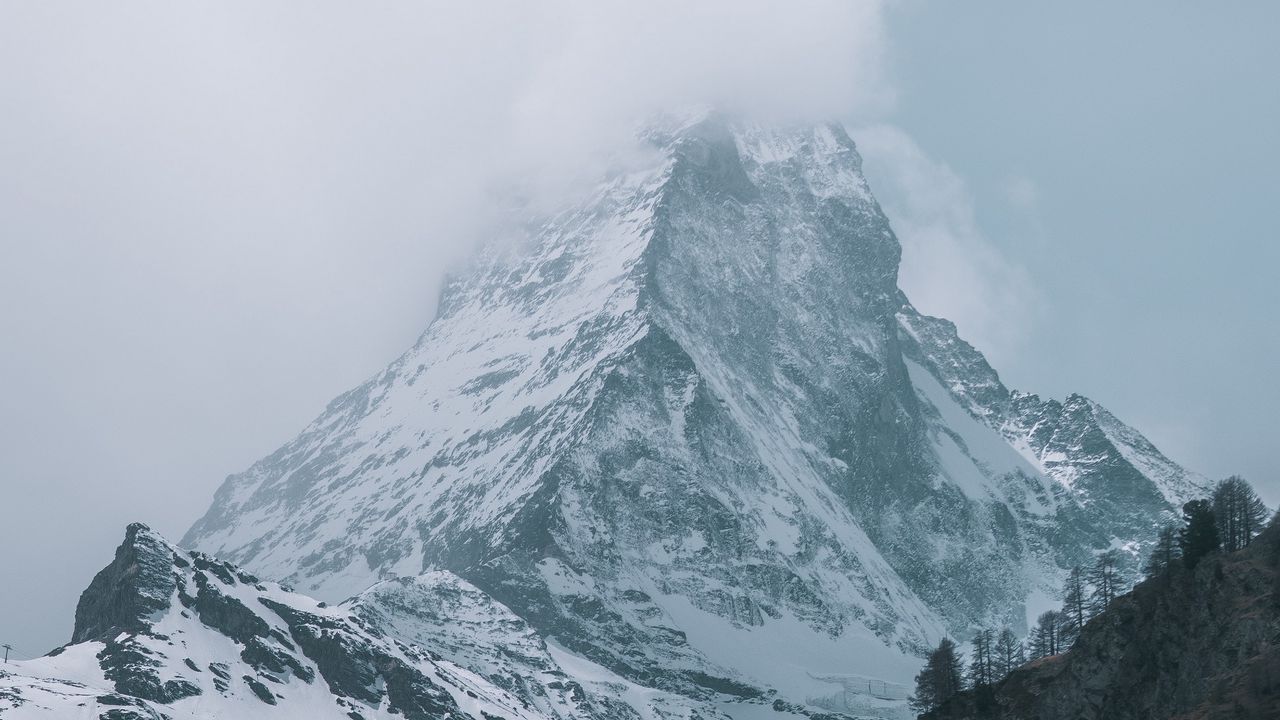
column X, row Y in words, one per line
column 949, row 268
column 349, row 137
column 216, row 216
column 608, row 65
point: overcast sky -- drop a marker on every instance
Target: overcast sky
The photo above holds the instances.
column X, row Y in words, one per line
column 214, row 217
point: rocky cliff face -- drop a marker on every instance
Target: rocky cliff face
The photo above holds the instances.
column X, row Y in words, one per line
column 122, row 598
column 1202, row 644
column 690, row 429
column 1104, row 481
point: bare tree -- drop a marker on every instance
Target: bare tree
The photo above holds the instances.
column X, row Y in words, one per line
column 982, row 670
column 1106, row 581
column 1075, row 606
column 1044, row 640
column 1008, row 653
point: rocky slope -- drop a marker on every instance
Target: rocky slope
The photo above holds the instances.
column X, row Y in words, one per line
column 164, row 633
column 1202, row 645
column 689, row 428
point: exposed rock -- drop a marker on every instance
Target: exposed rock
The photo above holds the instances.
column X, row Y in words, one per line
column 239, row 647
column 126, row 593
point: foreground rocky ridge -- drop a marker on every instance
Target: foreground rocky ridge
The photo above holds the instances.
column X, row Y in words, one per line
column 691, row 429
column 164, row 633
column 1200, row 644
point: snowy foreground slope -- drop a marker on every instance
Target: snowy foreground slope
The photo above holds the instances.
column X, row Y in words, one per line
column 689, row 429
column 166, row 633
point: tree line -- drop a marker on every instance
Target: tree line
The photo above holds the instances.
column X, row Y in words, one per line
column 1227, row 521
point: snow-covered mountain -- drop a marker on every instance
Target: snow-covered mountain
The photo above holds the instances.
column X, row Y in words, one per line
column 689, row 431
column 161, row 632
column 166, row 633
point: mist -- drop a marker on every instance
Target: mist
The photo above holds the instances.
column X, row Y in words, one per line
column 215, row 217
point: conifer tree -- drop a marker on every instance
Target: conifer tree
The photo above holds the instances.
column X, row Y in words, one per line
column 1253, row 515
column 1075, row 607
column 1106, row 581
column 940, row 678
column 1165, row 553
column 1008, row 653
column 1199, row 535
column 982, row 664
column 1044, row 640
column 1238, row 513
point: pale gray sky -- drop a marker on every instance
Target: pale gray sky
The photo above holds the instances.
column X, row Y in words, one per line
column 216, row 217
column 1119, row 160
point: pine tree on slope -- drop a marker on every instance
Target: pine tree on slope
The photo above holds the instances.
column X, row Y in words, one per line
column 1165, row 553
column 1044, row 639
column 1238, row 513
column 1106, row 581
column 1199, row 535
column 940, row 678
column 982, row 665
column 1075, row 608
column 1008, row 653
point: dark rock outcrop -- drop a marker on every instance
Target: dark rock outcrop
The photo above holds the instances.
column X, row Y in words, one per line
column 137, row 584
column 354, row 668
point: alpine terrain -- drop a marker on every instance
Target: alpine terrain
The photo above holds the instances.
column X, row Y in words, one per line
column 682, row 449
column 1197, row 643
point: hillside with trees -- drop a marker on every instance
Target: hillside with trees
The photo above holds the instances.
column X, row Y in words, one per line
column 1198, row 638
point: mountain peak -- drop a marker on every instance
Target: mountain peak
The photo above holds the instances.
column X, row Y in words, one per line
column 691, row 421
column 137, row 584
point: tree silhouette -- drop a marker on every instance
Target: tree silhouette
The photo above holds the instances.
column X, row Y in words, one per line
column 1199, row 535
column 1075, row 609
column 940, row 678
column 1008, row 653
column 982, row 667
column 1166, row 552
column 1106, row 581
column 1045, row 637
column 1238, row 512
